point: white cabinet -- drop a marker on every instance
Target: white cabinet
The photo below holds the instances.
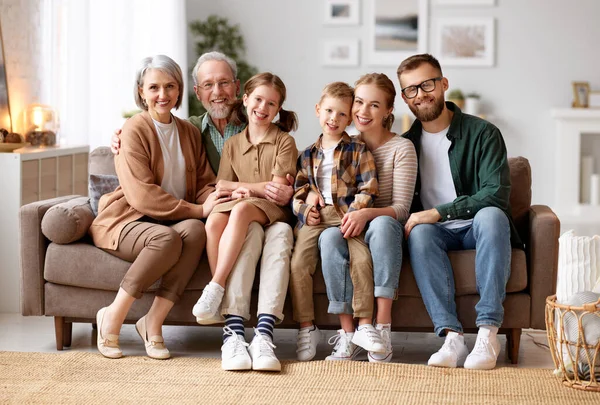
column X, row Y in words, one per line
column 28, row 175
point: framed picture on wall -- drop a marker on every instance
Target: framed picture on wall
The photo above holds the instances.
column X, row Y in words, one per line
column 398, row 29
column 465, row 41
column 340, row 52
column 581, row 94
column 342, row 12
column 465, row 2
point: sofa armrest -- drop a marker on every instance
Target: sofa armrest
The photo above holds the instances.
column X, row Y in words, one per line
column 542, row 254
column 33, row 245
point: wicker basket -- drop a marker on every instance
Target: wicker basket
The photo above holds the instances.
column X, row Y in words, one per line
column 576, row 360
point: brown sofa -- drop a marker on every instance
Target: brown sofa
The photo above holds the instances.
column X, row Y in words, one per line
column 71, row 281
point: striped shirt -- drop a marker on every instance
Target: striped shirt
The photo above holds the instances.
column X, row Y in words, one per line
column 397, row 166
column 353, row 181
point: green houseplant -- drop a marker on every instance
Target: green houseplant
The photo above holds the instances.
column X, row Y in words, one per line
column 457, row 97
column 216, row 34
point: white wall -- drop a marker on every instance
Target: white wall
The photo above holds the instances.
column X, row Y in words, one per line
column 541, row 47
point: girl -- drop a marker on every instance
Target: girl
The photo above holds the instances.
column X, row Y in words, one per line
column 261, row 153
column 396, row 162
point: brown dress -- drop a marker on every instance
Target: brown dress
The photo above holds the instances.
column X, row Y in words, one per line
column 242, row 161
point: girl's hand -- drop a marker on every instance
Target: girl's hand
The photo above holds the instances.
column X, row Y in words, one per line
column 353, row 223
column 242, row 192
column 226, row 186
column 214, row 198
column 314, row 217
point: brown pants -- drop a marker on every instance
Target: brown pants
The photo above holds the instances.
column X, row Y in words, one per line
column 304, row 264
column 171, row 252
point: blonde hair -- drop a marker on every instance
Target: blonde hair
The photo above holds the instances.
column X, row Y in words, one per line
column 383, row 83
column 338, row 90
column 288, row 120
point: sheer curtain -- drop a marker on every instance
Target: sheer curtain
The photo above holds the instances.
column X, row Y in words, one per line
column 91, row 51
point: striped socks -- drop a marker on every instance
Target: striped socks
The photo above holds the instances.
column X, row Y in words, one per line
column 235, row 323
column 266, row 324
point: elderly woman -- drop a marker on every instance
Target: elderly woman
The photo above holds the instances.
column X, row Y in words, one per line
column 153, row 218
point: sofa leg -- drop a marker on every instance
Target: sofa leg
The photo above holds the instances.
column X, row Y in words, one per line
column 59, row 331
column 513, row 340
column 67, row 333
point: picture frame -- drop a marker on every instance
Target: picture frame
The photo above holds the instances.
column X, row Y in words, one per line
column 581, row 94
column 340, row 52
column 342, row 12
column 397, row 30
column 594, row 99
column 465, row 2
column 468, row 41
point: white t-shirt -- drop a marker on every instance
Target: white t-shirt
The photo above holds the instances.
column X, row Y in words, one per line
column 437, row 185
column 324, row 174
column 173, row 181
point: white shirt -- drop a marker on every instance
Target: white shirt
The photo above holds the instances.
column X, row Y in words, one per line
column 437, row 185
column 173, row 181
column 324, row 174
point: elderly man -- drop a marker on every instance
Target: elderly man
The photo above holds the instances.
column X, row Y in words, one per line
column 216, row 86
column 461, row 201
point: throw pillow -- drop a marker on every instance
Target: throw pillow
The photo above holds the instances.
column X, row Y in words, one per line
column 99, row 185
column 68, row 222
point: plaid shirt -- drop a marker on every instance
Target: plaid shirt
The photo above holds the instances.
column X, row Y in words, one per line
column 353, row 181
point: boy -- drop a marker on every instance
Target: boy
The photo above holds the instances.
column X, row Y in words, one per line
column 341, row 171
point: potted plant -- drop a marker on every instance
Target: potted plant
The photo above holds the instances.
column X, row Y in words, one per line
column 457, row 97
column 472, row 103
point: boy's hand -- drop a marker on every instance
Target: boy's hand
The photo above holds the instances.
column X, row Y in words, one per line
column 314, row 217
column 280, row 194
column 315, row 199
column 115, row 143
column 353, row 223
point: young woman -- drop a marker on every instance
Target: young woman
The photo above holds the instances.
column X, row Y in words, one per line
column 396, row 163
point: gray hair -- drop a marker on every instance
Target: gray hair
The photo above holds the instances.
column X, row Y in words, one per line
column 218, row 56
column 165, row 65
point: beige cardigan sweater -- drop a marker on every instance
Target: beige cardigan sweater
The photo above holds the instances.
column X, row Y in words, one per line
column 140, row 168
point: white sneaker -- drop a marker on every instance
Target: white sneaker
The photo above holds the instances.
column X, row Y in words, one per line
column 485, row 352
column 216, row 318
column 369, row 339
column 307, row 341
column 452, row 353
column 262, row 354
column 208, row 304
column 234, row 355
column 386, row 337
column 344, row 349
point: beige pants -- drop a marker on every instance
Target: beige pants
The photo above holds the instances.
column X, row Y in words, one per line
column 275, row 242
column 171, row 252
column 304, row 265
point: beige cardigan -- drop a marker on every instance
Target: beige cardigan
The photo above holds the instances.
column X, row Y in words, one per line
column 140, row 168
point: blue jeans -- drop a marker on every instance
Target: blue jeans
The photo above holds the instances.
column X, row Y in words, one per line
column 428, row 245
column 384, row 238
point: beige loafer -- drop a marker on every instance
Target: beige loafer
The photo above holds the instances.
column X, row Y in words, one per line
column 155, row 345
column 108, row 345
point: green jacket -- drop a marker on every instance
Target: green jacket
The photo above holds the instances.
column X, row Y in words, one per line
column 478, row 165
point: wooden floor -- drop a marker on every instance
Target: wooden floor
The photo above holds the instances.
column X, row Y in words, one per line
column 36, row 334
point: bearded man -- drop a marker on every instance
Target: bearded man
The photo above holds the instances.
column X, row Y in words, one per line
column 461, row 202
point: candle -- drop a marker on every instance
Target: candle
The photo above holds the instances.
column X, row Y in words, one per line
column 595, row 189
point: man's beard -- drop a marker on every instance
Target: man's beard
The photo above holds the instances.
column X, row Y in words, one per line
column 218, row 112
column 428, row 114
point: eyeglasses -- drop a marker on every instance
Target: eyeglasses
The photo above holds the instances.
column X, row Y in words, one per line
column 427, row 86
column 223, row 84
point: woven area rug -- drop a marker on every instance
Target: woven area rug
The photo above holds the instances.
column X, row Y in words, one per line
column 76, row 377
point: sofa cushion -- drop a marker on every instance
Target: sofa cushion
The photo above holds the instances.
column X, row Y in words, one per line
column 520, row 192
column 99, row 185
column 69, row 221
column 102, row 161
